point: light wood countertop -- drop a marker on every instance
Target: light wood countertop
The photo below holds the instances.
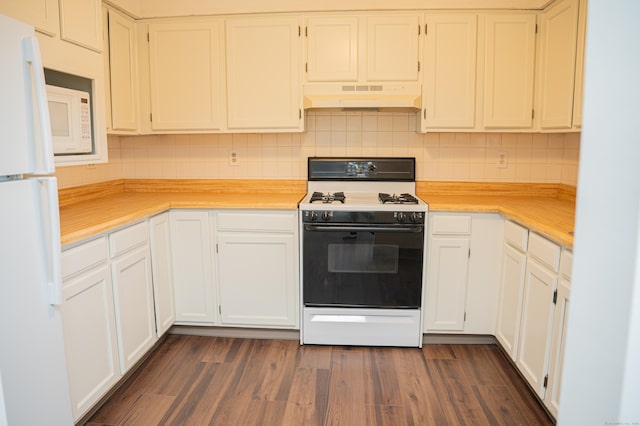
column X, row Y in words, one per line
column 88, row 211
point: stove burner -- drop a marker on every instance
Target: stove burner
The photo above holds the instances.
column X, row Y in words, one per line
column 397, row 199
column 327, row 198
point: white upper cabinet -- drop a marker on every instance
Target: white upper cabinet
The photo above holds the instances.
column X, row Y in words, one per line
column 185, row 64
column 332, row 48
column 122, row 81
column 557, row 65
column 356, row 48
column 392, row 48
column 509, row 52
column 577, row 95
column 263, row 74
column 42, row 14
column 449, row 89
column 80, row 23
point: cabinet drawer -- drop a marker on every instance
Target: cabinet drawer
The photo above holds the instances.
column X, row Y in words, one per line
column 566, row 263
column 84, row 257
column 128, row 238
column 516, row 235
column 248, row 221
column 545, row 251
column 450, row 224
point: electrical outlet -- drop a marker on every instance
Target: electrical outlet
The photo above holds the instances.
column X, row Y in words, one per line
column 234, row 158
column 502, row 160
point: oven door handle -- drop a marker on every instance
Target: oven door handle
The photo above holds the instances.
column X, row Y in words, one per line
column 330, row 228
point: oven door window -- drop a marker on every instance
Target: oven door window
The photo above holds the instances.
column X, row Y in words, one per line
column 379, row 269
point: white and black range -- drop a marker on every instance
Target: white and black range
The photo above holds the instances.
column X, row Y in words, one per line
column 362, row 253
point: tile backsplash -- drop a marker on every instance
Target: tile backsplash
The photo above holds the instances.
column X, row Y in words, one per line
column 530, row 157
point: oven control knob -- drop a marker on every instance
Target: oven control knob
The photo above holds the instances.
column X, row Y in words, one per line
column 400, row 217
column 313, row 216
column 415, row 217
column 326, row 215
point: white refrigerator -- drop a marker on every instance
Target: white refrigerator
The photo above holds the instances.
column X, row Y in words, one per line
column 34, row 388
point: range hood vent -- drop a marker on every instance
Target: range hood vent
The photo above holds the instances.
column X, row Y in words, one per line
column 363, row 96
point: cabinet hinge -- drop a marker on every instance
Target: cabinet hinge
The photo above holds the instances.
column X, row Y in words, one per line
column 533, row 113
column 465, row 317
column 425, row 29
column 469, row 255
column 306, row 31
column 419, row 29
column 536, row 28
column 148, row 38
column 151, row 117
column 306, row 67
column 546, row 380
column 220, row 309
column 216, row 247
column 418, row 66
column 555, row 297
column 299, row 114
column 299, row 31
column 424, row 114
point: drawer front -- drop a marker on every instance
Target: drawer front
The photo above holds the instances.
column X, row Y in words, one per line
column 450, row 224
column 84, row 257
column 248, row 221
column 128, row 238
column 516, row 235
column 566, row 263
column 545, row 251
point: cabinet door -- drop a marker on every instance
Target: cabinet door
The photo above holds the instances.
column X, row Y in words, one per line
column 133, row 300
column 89, row 338
column 332, row 48
column 558, row 33
column 81, row 23
column 263, row 73
column 508, row 71
column 552, row 396
column 447, row 283
column 185, row 73
column 535, row 325
column 392, row 48
column 257, row 279
column 449, row 91
column 122, row 75
column 42, row 14
column 510, row 304
column 162, row 272
column 192, row 267
column 577, row 96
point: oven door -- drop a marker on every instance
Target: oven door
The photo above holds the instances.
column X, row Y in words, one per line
column 377, row 266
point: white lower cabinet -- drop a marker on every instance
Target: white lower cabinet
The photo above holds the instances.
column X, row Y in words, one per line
column 89, row 324
column 462, row 273
column 257, row 276
column 535, row 325
column 162, row 272
column 559, row 334
column 514, row 262
column 192, row 265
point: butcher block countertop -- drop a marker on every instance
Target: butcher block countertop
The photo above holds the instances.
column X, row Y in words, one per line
column 548, row 209
column 89, row 210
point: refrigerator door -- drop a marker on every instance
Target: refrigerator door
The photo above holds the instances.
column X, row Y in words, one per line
column 25, row 129
column 32, row 359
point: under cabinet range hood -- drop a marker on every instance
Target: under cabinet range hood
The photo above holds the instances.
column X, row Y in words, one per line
column 363, row 96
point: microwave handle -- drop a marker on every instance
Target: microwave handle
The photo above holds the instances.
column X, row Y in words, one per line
column 32, row 55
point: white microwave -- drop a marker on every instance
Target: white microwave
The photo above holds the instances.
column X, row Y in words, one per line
column 70, row 116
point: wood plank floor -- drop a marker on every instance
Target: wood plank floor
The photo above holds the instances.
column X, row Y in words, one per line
column 192, row 380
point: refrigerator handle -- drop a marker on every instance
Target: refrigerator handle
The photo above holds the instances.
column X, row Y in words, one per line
column 31, row 49
column 54, row 251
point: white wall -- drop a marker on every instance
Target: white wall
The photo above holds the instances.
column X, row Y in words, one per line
column 601, row 380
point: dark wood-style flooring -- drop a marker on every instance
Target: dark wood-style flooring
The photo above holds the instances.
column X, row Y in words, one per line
column 226, row 381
